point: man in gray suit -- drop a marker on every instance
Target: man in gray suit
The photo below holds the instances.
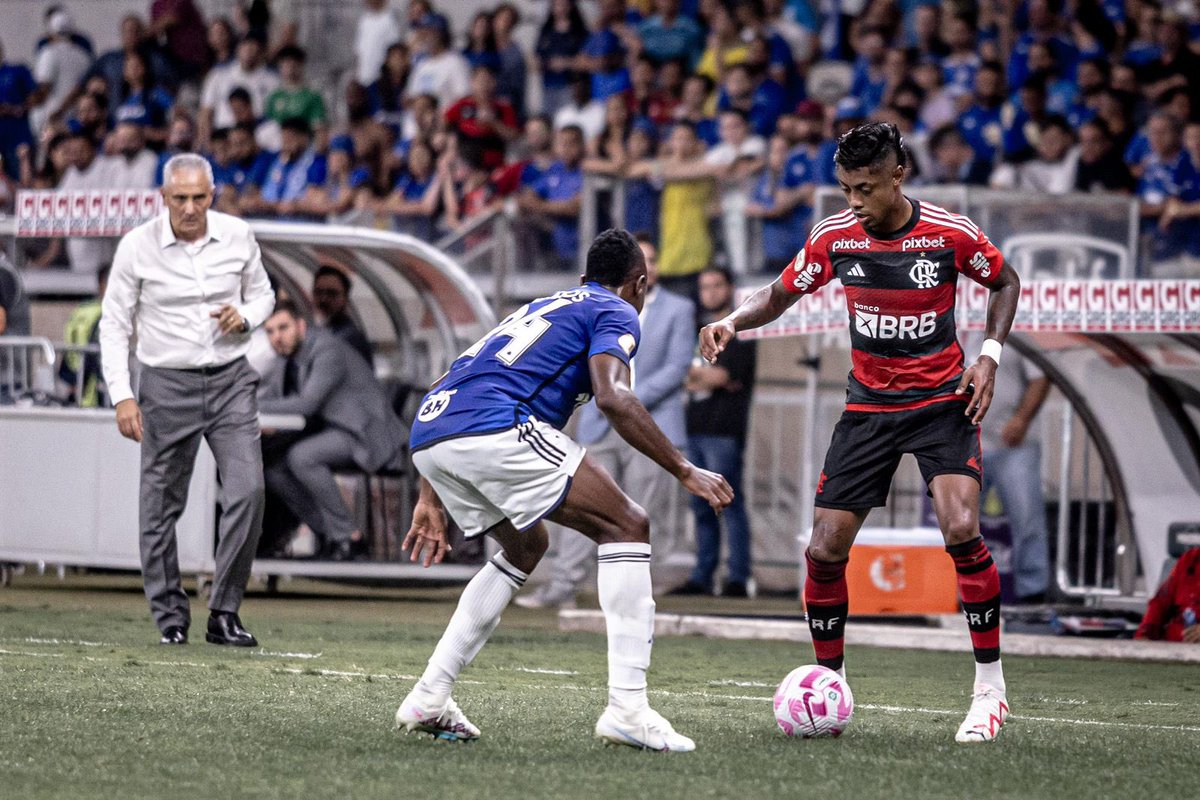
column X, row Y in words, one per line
column 659, row 371
column 349, row 422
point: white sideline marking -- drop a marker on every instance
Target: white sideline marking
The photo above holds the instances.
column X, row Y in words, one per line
column 1154, row 703
column 533, row 671
column 743, row 684
column 79, row 642
column 26, row 653
column 261, row 652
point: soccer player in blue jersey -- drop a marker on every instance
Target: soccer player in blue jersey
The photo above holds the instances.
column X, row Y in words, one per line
column 489, row 446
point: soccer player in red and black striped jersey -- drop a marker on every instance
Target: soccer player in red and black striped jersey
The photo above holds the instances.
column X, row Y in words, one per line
column 910, row 391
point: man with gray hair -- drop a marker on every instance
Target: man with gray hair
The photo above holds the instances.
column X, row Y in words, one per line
column 193, row 281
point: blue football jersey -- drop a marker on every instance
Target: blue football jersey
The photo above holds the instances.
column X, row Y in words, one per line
column 533, row 364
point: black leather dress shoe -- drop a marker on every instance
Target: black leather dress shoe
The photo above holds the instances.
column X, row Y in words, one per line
column 174, row 635
column 225, row 628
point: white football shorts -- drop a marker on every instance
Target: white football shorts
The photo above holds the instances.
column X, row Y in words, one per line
column 521, row 474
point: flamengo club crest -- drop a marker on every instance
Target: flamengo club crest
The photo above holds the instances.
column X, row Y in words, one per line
column 924, row 273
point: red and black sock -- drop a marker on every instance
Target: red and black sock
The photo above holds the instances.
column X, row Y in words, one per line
column 979, row 590
column 827, row 602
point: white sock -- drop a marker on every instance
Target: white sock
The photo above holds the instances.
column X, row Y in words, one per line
column 628, row 605
column 991, row 674
column 477, row 615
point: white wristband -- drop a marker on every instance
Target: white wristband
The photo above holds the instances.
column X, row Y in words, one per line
column 991, row 348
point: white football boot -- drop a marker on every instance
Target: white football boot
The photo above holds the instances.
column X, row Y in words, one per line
column 645, row 730
column 447, row 722
column 989, row 709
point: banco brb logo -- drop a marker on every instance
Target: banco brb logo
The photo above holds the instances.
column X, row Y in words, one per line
column 924, row 273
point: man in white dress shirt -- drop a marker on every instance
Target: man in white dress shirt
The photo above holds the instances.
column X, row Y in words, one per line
column 193, row 280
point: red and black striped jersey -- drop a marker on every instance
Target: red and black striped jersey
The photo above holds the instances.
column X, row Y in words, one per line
column 900, row 293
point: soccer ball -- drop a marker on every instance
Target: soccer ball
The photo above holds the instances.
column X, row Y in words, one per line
column 813, row 701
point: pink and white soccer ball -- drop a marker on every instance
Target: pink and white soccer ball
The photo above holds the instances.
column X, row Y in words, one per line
column 813, row 701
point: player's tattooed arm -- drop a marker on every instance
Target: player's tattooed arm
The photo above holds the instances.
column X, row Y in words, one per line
column 632, row 422
column 1002, row 308
column 765, row 305
column 427, row 536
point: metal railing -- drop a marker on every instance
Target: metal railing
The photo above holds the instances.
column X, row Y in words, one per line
column 1096, row 554
column 21, row 371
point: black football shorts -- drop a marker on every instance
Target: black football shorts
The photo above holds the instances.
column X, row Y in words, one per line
column 866, row 449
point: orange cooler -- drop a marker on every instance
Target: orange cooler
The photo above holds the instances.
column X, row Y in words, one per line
column 901, row 571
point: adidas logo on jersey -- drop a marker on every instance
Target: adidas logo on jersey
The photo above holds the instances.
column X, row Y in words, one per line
column 856, row 271
column 923, row 243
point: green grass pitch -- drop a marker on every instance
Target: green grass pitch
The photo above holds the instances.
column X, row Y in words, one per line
column 90, row 707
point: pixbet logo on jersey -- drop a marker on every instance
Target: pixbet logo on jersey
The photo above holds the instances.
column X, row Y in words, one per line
column 850, row 244
column 923, row 243
column 869, row 322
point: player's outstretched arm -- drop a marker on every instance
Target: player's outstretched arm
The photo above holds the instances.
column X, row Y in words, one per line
column 765, row 305
column 1002, row 308
column 633, row 423
column 427, row 535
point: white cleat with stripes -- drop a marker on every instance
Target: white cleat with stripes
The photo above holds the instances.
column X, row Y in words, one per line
column 989, row 709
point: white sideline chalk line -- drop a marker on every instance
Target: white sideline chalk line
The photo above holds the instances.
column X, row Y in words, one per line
column 79, row 642
column 261, row 652
column 666, row 692
column 533, row 671
column 742, row 684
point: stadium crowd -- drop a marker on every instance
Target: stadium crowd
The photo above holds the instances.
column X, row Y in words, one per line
column 712, row 111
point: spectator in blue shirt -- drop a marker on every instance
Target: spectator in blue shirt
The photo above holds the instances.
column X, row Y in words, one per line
column 1020, row 120
column 90, row 117
column 642, row 196
column 142, row 102
column 1045, row 26
column 17, row 89
column 111, row 65
column 1169, row 178
column 869, row 75
column 668, row 35
column 562, row 35
column 293, row 170
column 416, row 196
column 782, row 199
column 980, row 124
column 481, row 43
column 556, row 195
column 693, row 109
column 239, row 179
column 959, row 68
column 605, row 60
column 955, row 161
column 345, row 182
column 761, row 99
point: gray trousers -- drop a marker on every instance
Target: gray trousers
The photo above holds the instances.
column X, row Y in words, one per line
column 303, row 480
column 648, row 484
column 178, row 407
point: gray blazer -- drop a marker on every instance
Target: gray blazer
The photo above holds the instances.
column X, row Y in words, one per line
column 659, row 369
column 338, row 388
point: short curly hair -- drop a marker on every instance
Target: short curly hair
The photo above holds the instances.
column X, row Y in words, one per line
column 613, row 258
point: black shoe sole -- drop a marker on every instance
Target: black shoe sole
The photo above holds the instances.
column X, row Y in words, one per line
column 212, row 639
